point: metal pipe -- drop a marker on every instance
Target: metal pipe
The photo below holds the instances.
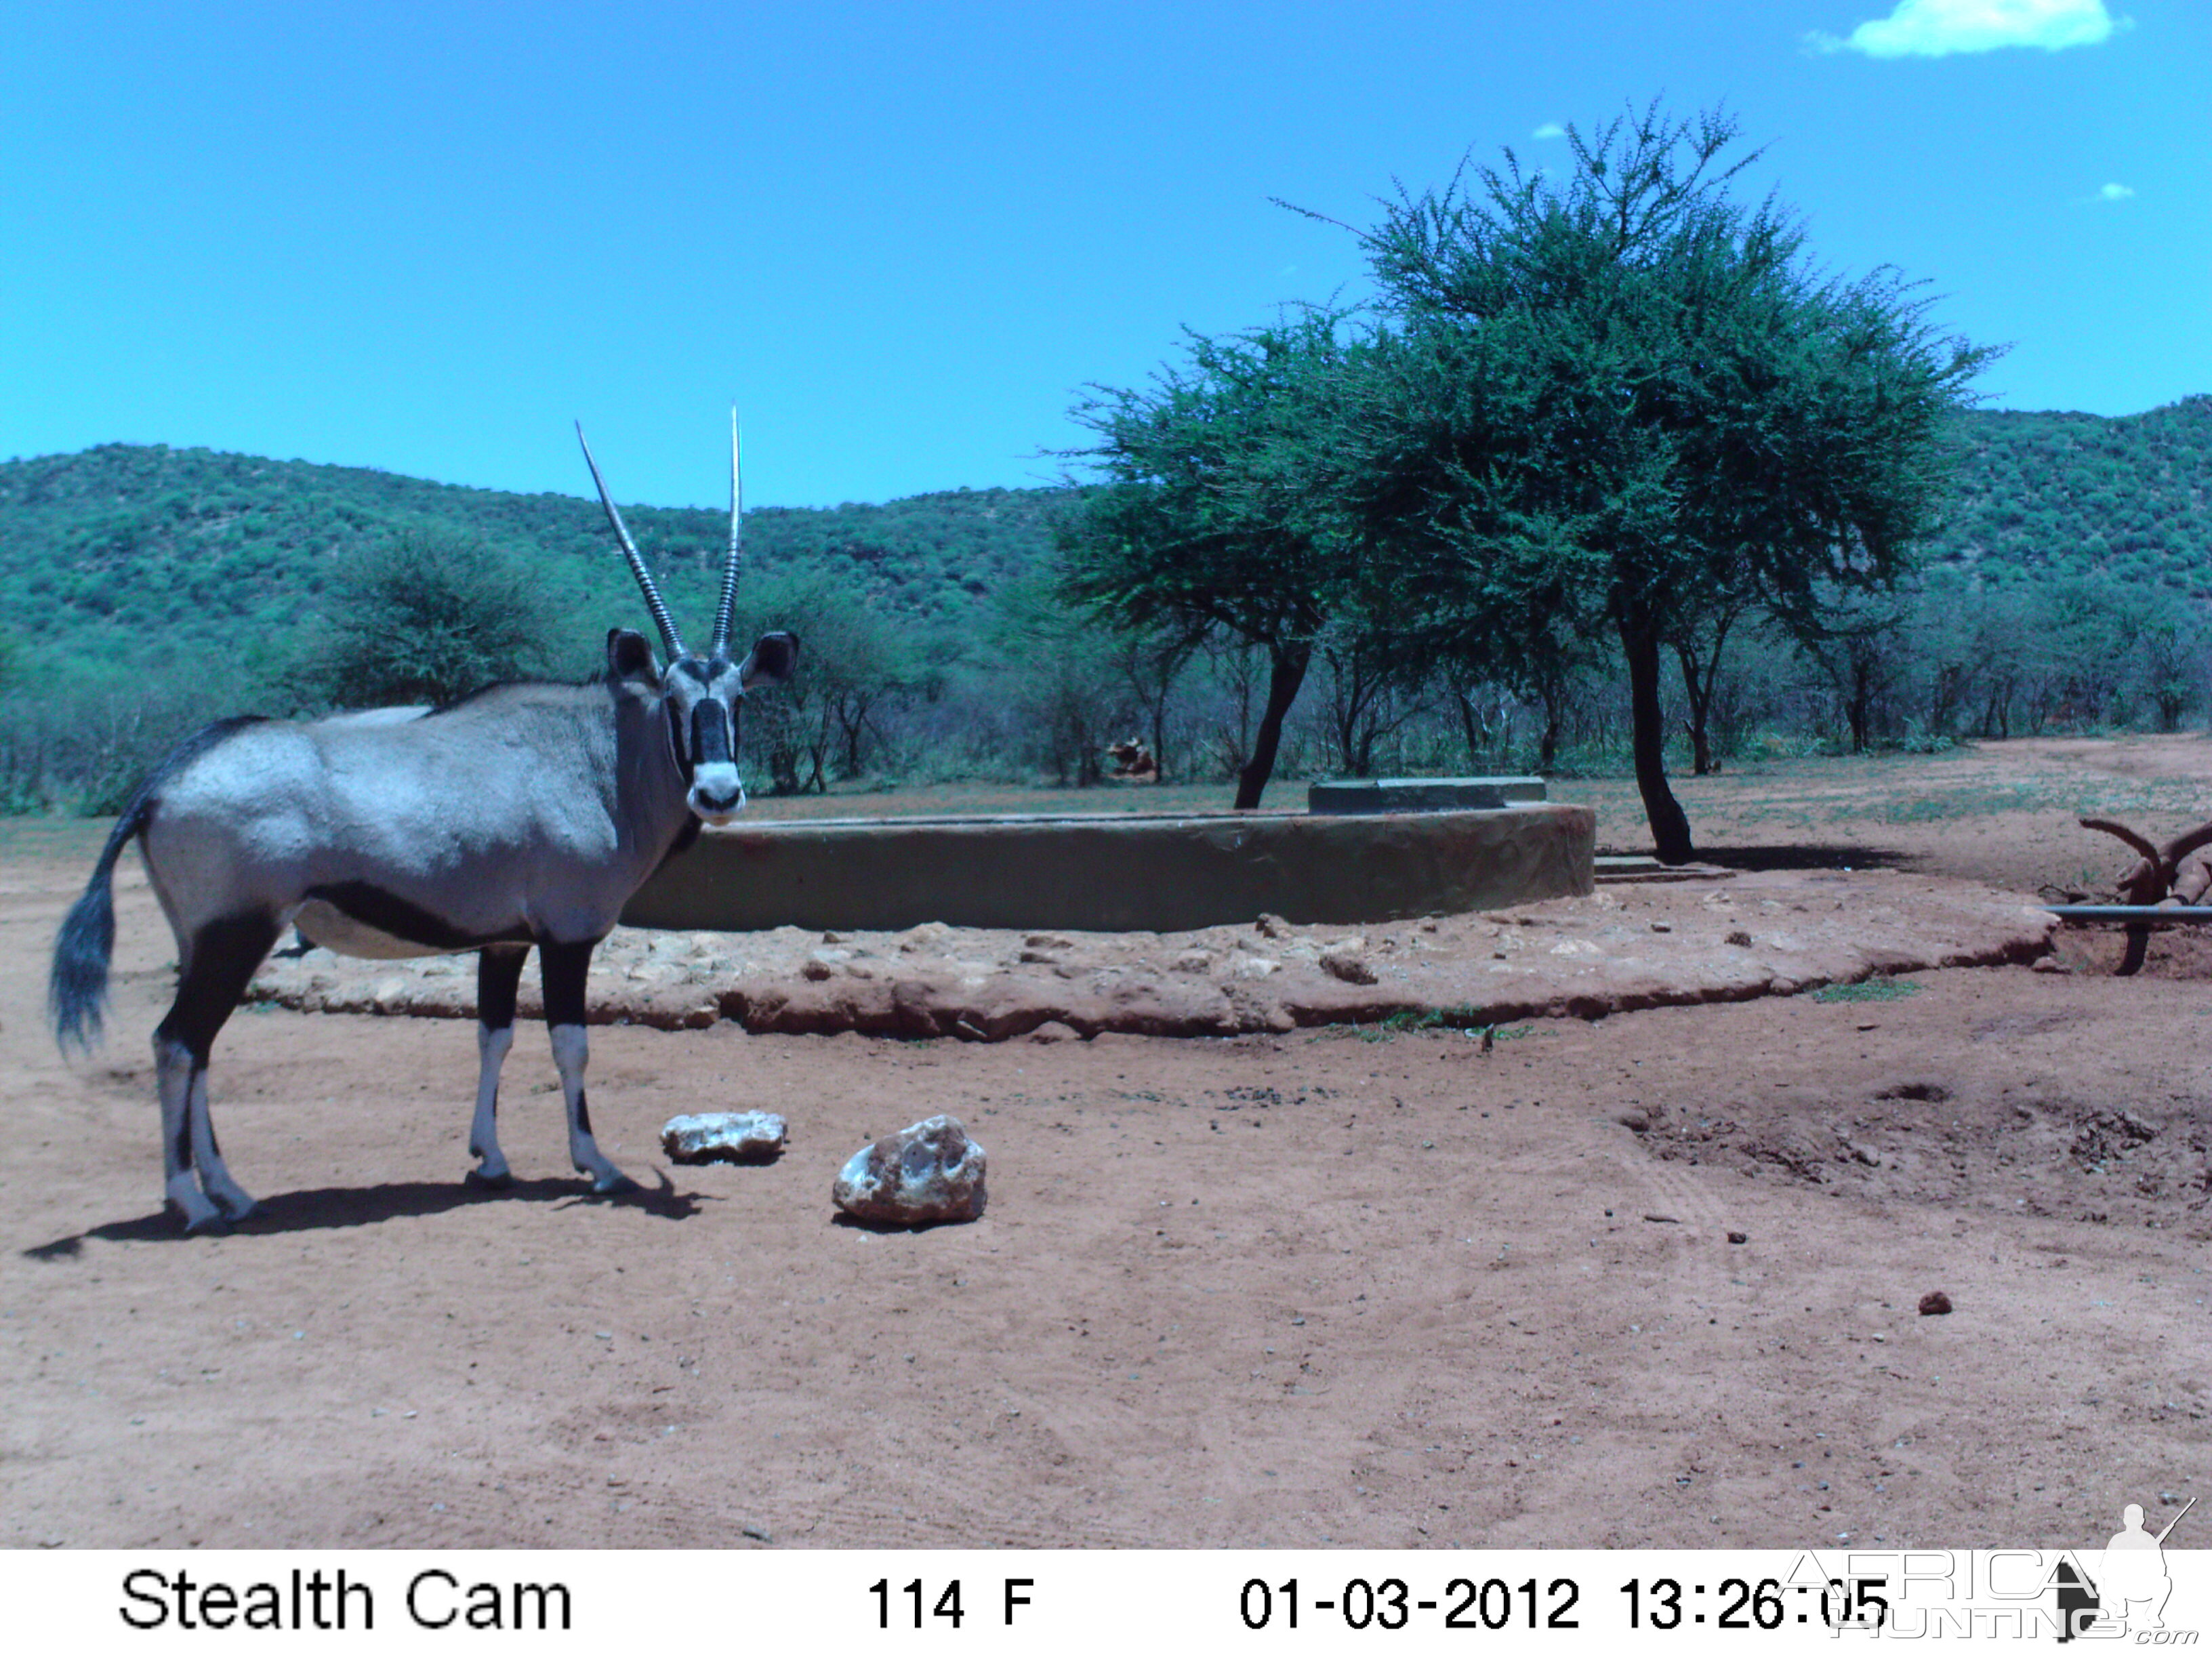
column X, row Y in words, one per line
column 2137, row 913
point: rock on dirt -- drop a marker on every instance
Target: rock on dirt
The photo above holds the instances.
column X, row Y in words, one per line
column 1348, row 960
column 723, row 1138
column 929, row 1171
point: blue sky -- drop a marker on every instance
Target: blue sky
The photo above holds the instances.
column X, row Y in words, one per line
column 903, row 237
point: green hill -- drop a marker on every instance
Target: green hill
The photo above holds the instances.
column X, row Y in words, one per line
column 152, row 555
column 148, row 552
column 2047, row 496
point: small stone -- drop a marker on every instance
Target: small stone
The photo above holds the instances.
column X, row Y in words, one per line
column 1739, row 1238
column 833, row 937
column 1662, row 927
column 1347, row 961
column 1052, row 1031
column 2049, row 965
column 1934, row 1303
column 1739, row 937
column 723, row 1138
column 1192, row 962
column 1633, row 1119
column 1049, row 942
column 1271, row 926
column 929, row 1171
column 815, row 967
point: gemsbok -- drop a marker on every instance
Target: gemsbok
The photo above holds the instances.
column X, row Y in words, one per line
column 523, row 814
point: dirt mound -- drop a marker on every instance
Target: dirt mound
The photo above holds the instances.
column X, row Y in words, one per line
column 1624, row 947
column 2011, row 1145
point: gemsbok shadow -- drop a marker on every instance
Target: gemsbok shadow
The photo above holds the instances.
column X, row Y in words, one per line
column 323, row 1209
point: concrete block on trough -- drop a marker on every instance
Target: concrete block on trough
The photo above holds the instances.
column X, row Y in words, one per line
column 1350, row 795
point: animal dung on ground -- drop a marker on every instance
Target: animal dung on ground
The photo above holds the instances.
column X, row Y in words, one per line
column 1934, row 1303
column 929, row 1171
column 723, row 1138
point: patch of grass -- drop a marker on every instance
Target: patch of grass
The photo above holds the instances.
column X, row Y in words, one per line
column 1468, row 1022
column 1967, row 802
column 1879, row 988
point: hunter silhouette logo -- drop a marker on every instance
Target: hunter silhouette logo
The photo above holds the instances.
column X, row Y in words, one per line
column 2131, row 1585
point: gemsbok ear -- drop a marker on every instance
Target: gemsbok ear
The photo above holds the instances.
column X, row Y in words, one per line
column 770, row 661
column 630, row 659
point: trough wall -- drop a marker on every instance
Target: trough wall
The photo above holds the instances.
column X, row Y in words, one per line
column 1119, row 873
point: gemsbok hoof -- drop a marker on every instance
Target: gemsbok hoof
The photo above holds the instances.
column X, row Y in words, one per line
column 488, row 1184
column 213, row 1225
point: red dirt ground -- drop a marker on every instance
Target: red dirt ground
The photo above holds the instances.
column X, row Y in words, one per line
column 1324, row 1286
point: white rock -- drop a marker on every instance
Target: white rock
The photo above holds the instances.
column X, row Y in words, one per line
column 723, row 1138
column 929, row 1171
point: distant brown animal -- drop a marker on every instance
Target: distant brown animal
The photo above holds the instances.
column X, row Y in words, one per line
column 1133, row 763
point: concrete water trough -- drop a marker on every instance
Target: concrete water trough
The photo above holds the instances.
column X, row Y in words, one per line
column 1112, row 872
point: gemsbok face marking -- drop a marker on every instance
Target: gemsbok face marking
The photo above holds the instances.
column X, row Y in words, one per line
column 526, row 814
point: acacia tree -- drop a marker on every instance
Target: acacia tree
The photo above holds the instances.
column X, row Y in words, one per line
column 423, row 618
column 1626, row 396
column 857, row 662
column 1218, row 515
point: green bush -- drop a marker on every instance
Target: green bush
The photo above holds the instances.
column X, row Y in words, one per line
column 423, row 618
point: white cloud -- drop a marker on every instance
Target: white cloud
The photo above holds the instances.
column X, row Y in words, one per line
column 2114, row 193
column 1935, row 28
column 1549, row 130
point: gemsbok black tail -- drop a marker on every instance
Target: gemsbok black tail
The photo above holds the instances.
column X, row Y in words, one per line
column 76, row 985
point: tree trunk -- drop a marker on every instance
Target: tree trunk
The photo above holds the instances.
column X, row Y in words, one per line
column 1555, row 720
column 1700, row 680
column 1670, row 826
column 1858, row 708
column 1701, row 749
column 783, row 767
column 1286, row 673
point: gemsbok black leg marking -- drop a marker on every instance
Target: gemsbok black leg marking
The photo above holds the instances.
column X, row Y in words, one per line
column 499, row 972
column 218, row 963
column 564, row 968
